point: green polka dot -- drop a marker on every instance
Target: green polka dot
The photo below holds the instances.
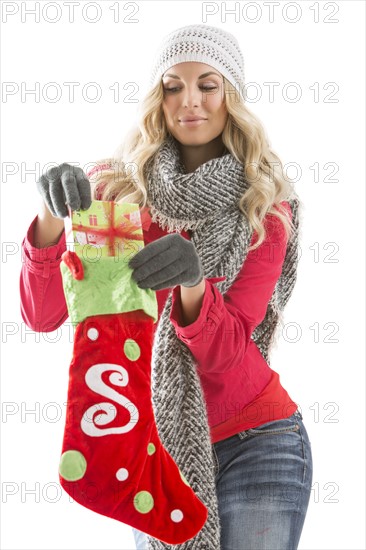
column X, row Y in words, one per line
column 184, row 479
column 131, row 349
column 72, row 465
column 143, row 502
column 151, row 448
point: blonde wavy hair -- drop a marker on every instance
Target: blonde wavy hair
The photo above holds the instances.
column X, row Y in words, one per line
column 245, row 138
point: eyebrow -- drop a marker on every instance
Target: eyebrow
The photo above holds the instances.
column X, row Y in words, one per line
column 199, row 78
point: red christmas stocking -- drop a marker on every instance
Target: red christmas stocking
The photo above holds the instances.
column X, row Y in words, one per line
column 112, row 460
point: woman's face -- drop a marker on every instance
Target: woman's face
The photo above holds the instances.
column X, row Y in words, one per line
column 189, row 91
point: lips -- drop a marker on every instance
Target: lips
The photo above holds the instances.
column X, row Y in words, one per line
column 191, row 118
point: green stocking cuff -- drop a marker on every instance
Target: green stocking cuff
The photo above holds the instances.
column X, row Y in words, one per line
column 107, row 287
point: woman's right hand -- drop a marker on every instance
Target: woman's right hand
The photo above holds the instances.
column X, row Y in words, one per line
column 65, row 185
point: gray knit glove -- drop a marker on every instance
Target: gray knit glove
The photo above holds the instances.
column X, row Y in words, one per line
column 169, row 261
column 65, row 184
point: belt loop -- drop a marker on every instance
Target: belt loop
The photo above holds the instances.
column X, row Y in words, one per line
column 298, row 414
column 46, row 269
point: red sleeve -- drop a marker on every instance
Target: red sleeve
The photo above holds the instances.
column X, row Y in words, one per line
column 42, row 300
column 219, row 337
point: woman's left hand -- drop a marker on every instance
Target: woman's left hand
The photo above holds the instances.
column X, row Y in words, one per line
column 169, row 261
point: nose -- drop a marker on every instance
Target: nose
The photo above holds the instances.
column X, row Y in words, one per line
column 191, row 97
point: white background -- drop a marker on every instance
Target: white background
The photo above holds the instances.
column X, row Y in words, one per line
column 320, row 354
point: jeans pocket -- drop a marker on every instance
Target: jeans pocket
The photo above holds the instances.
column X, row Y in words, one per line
column 281, row 426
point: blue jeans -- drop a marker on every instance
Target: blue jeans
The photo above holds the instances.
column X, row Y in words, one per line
column 263, row 481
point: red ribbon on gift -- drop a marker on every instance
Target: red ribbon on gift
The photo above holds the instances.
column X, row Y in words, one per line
column 125, row 233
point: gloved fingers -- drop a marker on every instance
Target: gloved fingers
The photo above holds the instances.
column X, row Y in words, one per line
column 161, row 279
column 70, row 187
column 167, row 284
column 64, row 185
column 152, row 249
column 57, row 198
column 179, row 279
column 166, row 260
column 84, row 189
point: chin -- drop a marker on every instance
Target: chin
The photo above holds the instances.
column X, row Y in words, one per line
column 187, row 138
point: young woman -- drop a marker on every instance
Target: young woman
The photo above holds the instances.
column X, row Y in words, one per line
column 221, row 251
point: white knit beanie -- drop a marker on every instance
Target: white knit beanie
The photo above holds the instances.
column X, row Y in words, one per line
column 205, row 44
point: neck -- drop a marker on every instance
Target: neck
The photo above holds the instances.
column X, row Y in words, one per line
column 194, row 155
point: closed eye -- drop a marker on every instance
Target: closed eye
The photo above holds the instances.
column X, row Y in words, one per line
column 205, row 88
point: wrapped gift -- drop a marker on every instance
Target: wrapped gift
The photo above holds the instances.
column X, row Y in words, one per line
column 105, row 237
column 107, row 229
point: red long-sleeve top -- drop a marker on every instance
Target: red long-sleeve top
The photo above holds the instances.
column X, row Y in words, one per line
column 241, row 390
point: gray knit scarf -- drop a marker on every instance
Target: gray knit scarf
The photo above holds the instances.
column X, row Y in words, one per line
column 205, row 202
